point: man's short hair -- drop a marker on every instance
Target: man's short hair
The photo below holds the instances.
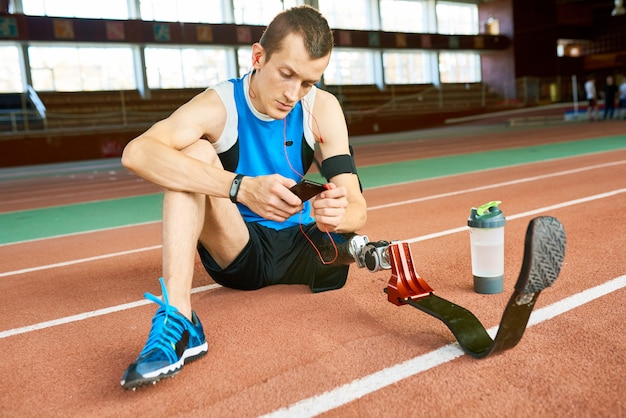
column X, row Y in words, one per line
column 304, row 21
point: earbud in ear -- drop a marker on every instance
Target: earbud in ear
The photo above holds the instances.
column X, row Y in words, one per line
column 256, row 59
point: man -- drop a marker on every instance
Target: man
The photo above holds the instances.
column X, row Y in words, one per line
column 622, row 99
column 227, row 160
column 610, row 89
column 592, row 98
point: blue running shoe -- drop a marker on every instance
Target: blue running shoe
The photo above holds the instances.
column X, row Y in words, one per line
column 172, row 342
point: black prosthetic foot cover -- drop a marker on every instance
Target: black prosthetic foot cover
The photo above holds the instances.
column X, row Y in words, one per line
column 544, row 252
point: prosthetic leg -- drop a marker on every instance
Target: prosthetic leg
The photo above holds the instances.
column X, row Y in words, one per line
column 544, row 252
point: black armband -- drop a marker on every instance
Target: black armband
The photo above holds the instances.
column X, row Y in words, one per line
column 338, row 164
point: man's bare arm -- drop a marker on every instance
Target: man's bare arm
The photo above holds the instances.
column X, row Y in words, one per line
column 156, row 154
column 329, row 207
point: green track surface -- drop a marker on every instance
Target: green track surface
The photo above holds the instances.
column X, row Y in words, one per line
column 71, row 219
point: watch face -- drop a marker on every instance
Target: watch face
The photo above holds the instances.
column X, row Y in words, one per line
column 234, row 188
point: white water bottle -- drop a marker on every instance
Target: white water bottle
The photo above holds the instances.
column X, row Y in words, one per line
column 487, row 247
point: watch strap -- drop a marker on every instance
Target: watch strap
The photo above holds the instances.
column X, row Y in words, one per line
column 234, row 188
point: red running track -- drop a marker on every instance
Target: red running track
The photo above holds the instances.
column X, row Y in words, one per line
column 347, row 353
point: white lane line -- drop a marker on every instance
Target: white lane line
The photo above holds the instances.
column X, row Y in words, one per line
column 60, row 193
column 154, row 247
column 87, row 315
column 523, row 214
column 409, row 240
column 73, row 234
column 498, row 185
column 378, row 380
column 371, row 383
column 21, row 172
column 389, row 205
column 78, row 261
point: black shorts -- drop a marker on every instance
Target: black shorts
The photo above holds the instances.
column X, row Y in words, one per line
column 281, row 257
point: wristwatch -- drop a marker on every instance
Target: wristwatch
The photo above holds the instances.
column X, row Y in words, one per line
column 234, row 188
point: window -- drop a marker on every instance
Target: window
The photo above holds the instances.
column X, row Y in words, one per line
column 408, row 67
column 459, row 67
column 457, row 18
column 255, row 12
column 350, row 67
column 110, row 9
column 81, row 68
column 403, row 16
column 194, row 11
column 71, row 67
column 353, row 14
column 171, row 68
column 244, row 58
column 11, row 80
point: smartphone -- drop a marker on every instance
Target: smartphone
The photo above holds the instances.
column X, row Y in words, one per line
column 306, row 189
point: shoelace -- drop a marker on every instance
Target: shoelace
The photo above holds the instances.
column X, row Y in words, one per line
column 164, row 333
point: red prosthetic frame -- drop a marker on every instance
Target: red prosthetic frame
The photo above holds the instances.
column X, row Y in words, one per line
column 405, row 284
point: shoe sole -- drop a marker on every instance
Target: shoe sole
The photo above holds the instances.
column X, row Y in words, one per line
column 543, row 256
column 189, row 355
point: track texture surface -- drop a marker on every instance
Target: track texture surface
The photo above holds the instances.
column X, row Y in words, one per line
column 72, row 315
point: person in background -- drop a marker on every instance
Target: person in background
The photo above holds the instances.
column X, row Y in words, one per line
column 592, row 98
column 610, row 90
column 622, row 99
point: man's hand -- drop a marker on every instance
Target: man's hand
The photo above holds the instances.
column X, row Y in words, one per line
column 329, row 208
column 269, row 197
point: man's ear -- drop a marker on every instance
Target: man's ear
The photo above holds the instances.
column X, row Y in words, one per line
column 257, row 54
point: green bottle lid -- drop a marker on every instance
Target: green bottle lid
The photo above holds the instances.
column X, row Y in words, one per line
column 488, row 215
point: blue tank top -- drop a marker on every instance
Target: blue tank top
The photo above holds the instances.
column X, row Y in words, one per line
column 267, row 146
